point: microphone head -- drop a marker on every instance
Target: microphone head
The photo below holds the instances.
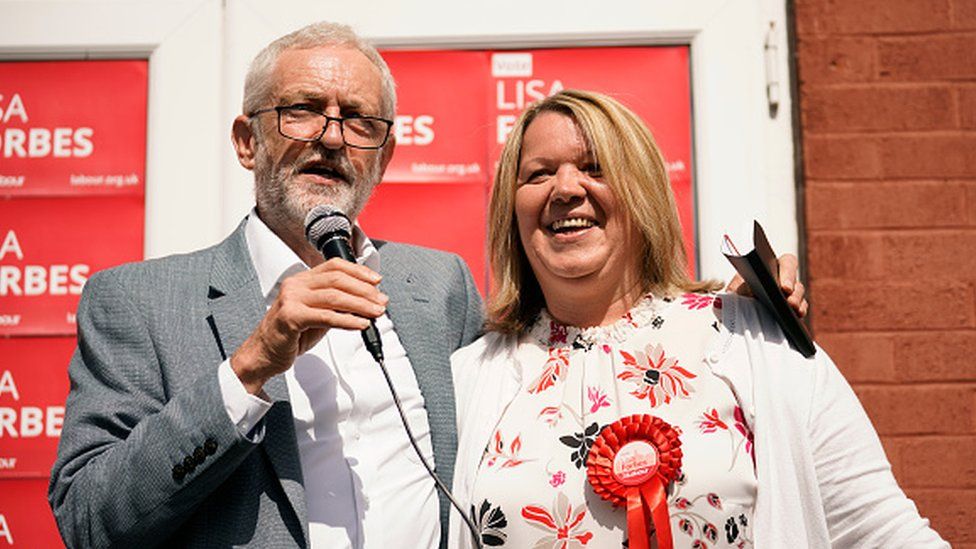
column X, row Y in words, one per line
column 326, row 220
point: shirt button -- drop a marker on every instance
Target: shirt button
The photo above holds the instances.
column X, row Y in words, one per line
column 178, row 472
column 210, row 446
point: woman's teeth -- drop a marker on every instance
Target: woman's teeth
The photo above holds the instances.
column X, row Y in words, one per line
column 571, row 223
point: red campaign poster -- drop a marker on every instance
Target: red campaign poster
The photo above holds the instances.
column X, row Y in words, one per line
column 48, row 249
column 25, row 517
column 33, row 388
column 445, row 216
column 654, row 82
column 441, row 124
column 73, row 127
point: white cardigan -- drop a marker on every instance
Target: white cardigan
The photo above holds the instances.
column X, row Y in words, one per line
column 823, row 477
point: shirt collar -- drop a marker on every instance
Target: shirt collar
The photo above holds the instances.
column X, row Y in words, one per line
column 274, row 260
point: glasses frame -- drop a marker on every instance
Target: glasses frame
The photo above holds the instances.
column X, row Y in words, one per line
column 328, row 120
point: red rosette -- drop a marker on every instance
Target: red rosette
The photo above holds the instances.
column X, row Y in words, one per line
column 630, row 464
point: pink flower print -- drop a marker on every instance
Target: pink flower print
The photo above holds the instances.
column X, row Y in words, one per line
column 562, row 525
column 745, row 431
column 629, row 318
column 718, row 302
column 508, row 456
column 710, row 422
column 714, row 501
column 657, row 378
column 607, row 349
column 598, row 399
column 557, row 479
column 697, row 301
column 557, row 333
column 553, row 371
column 682, row 503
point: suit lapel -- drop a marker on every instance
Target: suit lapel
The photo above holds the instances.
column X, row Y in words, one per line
column 236, row 306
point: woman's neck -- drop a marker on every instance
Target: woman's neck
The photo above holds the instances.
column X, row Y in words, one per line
column 583, row 304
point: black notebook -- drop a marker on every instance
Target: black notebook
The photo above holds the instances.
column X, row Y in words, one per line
column 760, row 269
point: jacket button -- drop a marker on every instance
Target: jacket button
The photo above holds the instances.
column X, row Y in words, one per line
column 178, row 472
column 210, row 446
column 188, row 464
column 199, row 455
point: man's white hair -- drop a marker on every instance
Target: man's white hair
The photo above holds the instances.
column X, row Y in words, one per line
column 257, row 85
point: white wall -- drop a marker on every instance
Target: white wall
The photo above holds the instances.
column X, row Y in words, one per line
column 199, row 51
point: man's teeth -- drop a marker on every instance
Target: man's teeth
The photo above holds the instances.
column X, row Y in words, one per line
column 572, row 223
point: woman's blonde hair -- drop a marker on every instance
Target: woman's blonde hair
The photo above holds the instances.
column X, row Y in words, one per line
column 633, row 168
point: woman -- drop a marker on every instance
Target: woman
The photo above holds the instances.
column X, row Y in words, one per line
column 593, row 318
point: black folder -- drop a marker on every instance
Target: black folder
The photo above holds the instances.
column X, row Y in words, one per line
column 760, row 269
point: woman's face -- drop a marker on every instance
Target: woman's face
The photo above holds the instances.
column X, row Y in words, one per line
column 570, row 224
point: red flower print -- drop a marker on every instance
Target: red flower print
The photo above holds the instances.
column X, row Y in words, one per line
column 553, row 371
column 558, row 478
column 710, row 422
column 710, row 532
column 745, row 431
column 557, row 333
column 551, row 415
column 682, row 503
column 598, row 399
column 607, row 349
column 718, row 302
column 714, row 501
column 498, row 452
column 563, row 525
column 657, row 377
column 697, row 301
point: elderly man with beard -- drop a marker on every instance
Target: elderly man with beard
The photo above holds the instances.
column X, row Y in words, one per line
column 225, row 397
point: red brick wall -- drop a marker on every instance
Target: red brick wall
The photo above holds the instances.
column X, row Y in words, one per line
column 888, row 118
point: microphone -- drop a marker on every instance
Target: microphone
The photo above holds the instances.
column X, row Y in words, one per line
column 329, row 231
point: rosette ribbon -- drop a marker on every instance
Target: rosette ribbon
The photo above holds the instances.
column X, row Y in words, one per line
column 631, row 464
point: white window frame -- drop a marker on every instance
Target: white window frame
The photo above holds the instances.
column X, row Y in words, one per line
column 183, row 43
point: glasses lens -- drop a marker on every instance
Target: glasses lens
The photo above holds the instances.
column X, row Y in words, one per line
column 365, row 132
column 300, row 123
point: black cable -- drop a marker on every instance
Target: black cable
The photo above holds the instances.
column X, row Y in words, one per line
column 475, row 534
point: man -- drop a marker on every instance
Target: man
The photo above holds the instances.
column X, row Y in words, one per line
column 213, row 403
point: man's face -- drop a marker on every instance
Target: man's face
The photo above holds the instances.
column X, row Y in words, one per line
column 292, row 177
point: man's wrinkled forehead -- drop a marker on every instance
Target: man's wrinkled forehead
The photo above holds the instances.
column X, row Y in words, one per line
column 328, row 75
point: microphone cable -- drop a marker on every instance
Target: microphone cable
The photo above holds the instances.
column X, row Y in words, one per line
column 475, row 534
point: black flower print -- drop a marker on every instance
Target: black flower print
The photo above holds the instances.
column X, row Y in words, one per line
column 491, row 522
column 581, row 443
column 657, row 322
column 731, row 530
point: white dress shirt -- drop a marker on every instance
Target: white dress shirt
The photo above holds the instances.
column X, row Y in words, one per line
column 364, row 486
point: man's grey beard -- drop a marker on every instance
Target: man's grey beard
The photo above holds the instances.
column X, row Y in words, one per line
column 283, row 203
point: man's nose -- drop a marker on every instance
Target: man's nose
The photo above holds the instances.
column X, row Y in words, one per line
column 332, row 137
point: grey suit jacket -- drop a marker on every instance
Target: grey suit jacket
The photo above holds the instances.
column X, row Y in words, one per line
column 145, row 398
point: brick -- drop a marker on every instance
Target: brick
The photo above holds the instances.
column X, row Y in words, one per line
column 954, row 454
column 850, row 255
column 952, row 512
column 967, row 107
column 861, row 357
column 934, row 356
column 808, row 17
column 841, row 157
column 945, row 409
column 971, row 202
column 885, row 205
column 846, row 306
column 927, row 156
column 885, row 16
column 937, row 57
column 928, row 255
column 836, row 59
column 873, row 108
column 964, row 14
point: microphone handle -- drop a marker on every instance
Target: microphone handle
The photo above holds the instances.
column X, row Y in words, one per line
column 338, row 246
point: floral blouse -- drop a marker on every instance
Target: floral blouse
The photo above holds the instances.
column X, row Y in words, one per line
column 531, row 488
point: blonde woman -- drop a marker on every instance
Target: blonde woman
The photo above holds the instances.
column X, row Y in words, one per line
column 594, row 318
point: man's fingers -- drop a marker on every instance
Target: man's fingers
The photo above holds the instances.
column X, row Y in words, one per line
column 788, row 267
column 335, row 299
column 354, row 270
column 736, row 284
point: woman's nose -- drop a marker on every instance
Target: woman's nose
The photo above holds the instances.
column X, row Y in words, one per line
column 568, row 184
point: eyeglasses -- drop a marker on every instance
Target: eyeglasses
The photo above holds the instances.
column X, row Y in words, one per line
column 303, row 123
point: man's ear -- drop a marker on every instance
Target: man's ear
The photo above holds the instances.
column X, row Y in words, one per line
column 387, row 152
column 245, row 142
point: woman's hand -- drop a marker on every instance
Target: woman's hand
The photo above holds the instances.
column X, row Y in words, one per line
column 788, row 268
